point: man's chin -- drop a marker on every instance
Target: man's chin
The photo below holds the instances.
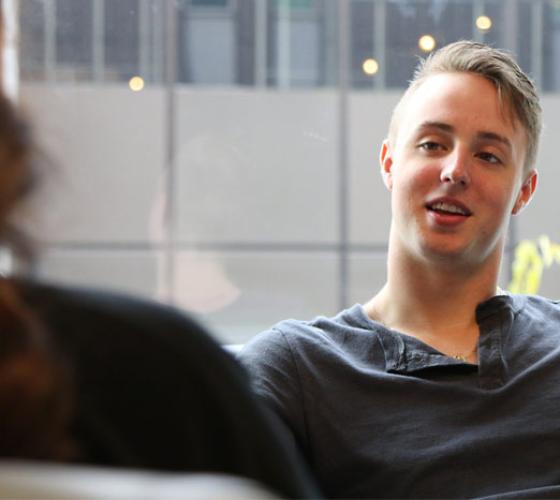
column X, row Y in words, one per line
column 456, row 256
column 450, row 254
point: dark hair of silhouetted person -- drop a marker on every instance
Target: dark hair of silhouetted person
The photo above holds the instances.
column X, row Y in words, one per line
column 34, row 397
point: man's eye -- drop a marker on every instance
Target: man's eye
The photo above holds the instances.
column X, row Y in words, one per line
column 430, row 146
column 489, row 158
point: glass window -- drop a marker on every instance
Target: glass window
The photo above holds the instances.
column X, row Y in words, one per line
column 121, row 39
column 33, row 40
column 221, row 154
column 74, row 30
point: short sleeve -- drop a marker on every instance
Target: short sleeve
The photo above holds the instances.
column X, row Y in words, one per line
column 275, row 378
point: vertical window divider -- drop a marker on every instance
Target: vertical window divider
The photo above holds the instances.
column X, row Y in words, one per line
column 283, row 44
column 144, row 39
column 478, row 10
column 260, row 43
column 511, row 19
column 98, row 42
column 537, row 43
column 50, row 41
column 169, row 173
column 343, row 123
column 379, row 33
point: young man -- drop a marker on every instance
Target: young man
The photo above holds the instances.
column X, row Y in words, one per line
column 441, row 385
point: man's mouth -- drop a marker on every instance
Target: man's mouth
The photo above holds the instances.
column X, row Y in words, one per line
column 448, row 208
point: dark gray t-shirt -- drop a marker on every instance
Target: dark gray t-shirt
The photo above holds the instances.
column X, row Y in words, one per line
column 378, row 413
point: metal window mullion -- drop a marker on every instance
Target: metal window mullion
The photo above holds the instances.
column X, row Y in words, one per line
column 144, row 38
column 343, row 185
column 329, row 43
column 283, row 45
column 510, row 24
column 478, row 10
column 260, row 42
column 169, row 222
column 380, row 38
column 157, row 41
column 98, row 45
column 537, row 43
column 50, row 40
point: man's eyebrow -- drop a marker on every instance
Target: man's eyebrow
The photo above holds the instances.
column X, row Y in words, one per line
column 492, row 136
column 444, row 127
column 483, row 135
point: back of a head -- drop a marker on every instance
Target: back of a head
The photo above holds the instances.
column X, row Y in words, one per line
column 515, row 88
column 33, row 403
column 34, row 400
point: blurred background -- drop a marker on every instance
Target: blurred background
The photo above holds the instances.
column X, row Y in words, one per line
column 221, row 155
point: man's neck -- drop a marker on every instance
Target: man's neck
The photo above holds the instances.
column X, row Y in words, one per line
column 435, row 303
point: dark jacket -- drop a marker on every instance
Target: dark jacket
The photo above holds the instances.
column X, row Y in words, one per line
column 154, row 390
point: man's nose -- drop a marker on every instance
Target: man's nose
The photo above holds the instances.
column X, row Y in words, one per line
column 456, row 169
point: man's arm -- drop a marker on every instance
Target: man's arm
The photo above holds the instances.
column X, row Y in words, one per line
column 274, row 377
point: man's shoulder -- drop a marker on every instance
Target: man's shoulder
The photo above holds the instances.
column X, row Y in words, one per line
column 538, row 315
column 536, row 305
column 319, row 328
column 345, row 334
column 542, row 301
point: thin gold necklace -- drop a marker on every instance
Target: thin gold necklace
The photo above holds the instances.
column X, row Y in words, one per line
column 465, row 358
column 459, row 357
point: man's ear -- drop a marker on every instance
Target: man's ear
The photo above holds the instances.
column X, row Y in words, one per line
column 526, row 192
column 386, row 161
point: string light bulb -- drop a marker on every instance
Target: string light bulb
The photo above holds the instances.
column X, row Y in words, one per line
column 427, row 43
column 483, row 23
column 370, row 66
column 136, row 83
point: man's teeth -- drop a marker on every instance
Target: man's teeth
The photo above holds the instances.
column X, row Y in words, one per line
column 446, row 207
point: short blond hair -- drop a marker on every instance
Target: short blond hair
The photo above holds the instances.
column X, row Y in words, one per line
column 515, row 88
